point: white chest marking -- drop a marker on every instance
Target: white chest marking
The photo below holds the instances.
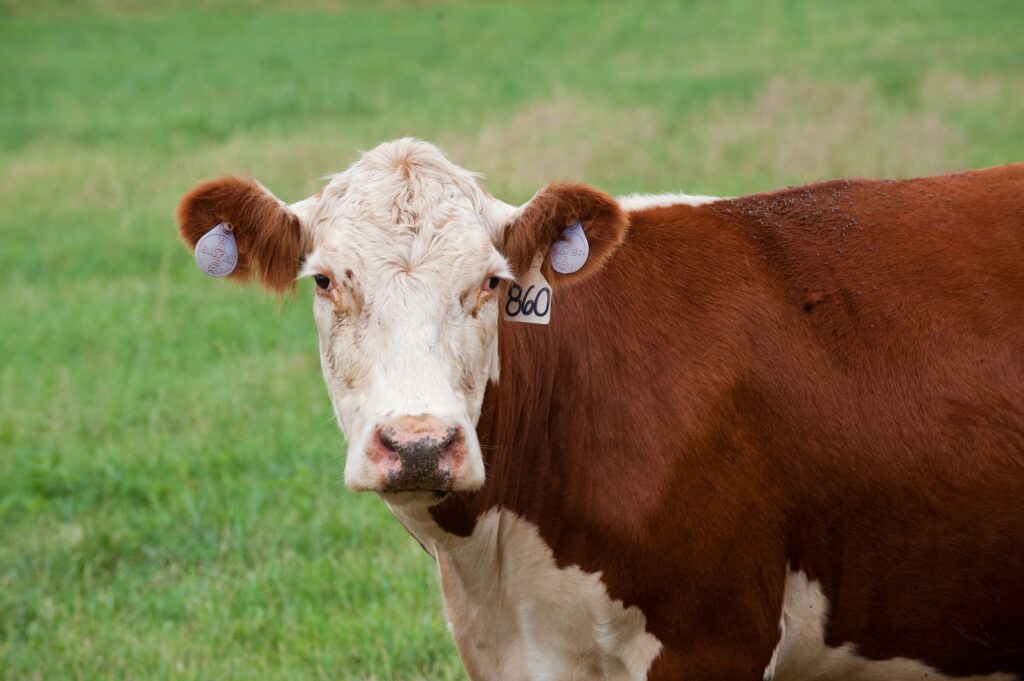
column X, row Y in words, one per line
column 802, row 655
column 516, row 616
column 642, row 201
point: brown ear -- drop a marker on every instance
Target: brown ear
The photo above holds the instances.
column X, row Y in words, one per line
column 540, row 223
column 268, row 234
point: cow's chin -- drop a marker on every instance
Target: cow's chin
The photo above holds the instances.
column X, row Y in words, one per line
column 414, row 497
column 427, row 497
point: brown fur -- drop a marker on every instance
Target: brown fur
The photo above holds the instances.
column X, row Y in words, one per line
column 829, row 377
column 268, row 234
column 541, row 223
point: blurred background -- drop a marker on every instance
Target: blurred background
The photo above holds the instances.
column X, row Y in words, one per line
column 171, row 497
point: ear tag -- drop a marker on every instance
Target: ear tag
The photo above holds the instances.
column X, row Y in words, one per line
column 569, row 254
column 217, row 252
column 528, row 298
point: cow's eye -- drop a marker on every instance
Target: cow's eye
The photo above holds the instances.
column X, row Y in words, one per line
column 322, row 281
column 491, row 283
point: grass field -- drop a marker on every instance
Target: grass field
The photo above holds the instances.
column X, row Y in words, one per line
column 171, row 498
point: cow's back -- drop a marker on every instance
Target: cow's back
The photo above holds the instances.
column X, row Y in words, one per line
column 920, row 257
column 901, row 308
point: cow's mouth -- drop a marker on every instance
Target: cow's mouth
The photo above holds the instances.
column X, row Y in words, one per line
column 437, row 493
column 415, row 497
column 419, row 474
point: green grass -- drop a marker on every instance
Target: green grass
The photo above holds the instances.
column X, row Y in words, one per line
column 171, row 498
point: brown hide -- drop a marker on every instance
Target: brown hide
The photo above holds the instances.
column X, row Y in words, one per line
column 829, row 376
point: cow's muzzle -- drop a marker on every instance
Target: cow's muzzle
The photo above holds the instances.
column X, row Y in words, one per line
column 418, row 453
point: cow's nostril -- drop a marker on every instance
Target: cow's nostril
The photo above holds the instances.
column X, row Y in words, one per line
column 449, row 438
column 387, row 438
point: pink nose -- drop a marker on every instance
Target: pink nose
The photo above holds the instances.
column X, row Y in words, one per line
column 418, row 453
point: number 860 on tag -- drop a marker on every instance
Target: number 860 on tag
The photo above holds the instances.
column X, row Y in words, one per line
column 531, row 305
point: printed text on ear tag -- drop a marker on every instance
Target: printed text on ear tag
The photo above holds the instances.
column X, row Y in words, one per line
column 217, row 252
column 528, row 299
column 569, row 254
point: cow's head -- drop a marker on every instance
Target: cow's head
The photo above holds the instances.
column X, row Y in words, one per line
column 408, row 254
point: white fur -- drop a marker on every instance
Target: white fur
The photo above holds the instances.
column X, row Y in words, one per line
column 304, row 210
column 642, row 201
column 802, row 655
column 418, row 233
column 516, row 616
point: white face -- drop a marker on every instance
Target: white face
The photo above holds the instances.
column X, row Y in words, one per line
column 402, row 249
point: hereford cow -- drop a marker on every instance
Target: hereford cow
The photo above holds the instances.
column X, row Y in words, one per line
column 772, row 437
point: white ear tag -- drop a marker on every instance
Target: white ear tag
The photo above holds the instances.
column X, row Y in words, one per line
column 528, row 299
column 217, row 252
column 569, row 254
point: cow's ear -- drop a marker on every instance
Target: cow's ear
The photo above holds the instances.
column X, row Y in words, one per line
column 269, row 235
column 536, row 227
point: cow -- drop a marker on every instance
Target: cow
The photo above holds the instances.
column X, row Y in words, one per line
column 779, row 436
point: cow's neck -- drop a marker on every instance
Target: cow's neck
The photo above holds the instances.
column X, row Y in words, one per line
column 527, row 472
column 556, row 426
